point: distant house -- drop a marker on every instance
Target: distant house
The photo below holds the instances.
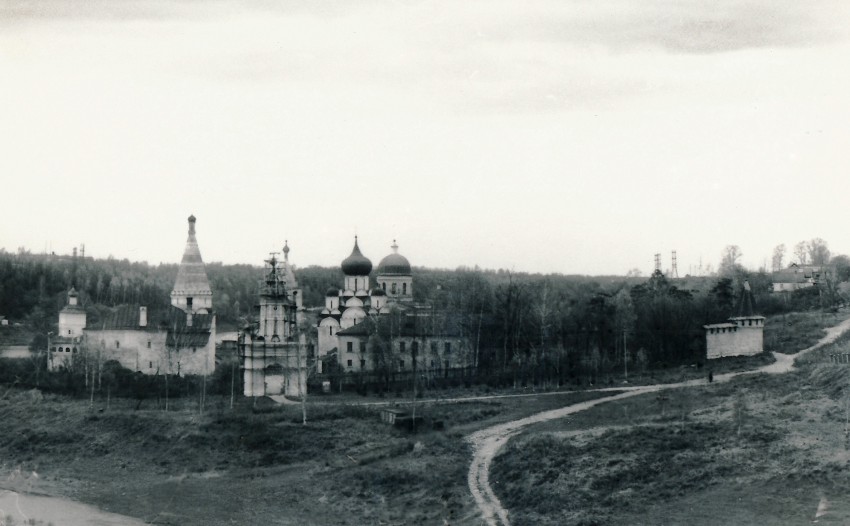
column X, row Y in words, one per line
column 740, row 335
column 796, row 277
column 3, row 321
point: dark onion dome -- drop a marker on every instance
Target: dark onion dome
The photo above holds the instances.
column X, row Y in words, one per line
column 333, row 291
column 356, row 264
column 395, row 264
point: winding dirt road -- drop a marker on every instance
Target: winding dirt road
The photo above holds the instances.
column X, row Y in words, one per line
column 486, row 443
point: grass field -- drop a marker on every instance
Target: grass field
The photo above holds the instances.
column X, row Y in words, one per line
column 758, row 450
column 247, row 467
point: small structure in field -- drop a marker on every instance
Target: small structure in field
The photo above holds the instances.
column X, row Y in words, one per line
column 740, row 335
column 389, row 415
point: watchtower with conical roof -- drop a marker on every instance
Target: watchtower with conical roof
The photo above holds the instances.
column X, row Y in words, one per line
column 741, row 335
column 192, row 291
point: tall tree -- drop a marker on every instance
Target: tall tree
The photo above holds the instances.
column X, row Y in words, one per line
column 729, row 260
column 801, row 252
column 818, row 251
column 778, row 257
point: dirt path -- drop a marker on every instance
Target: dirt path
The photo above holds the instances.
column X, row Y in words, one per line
column 487, row 442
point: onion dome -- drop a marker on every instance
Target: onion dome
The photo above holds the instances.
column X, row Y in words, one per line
column 348, row 293
column 325, row 312
column 333, row 291
column 395, row 264
column 356, row 264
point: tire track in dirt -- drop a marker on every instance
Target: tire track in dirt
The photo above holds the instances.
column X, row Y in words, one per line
column 487, row 442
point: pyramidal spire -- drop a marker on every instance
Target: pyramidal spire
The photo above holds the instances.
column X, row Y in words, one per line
column 192, row 288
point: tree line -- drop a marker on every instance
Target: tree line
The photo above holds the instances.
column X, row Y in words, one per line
column 523, row 328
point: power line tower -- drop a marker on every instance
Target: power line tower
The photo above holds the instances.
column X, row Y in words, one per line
column 674, row 270
column 657, row 262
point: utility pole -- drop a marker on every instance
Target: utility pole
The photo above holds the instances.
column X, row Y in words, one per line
column 625, row 357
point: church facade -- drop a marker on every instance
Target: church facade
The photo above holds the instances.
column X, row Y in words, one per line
column 381, row 329
column 273, row 350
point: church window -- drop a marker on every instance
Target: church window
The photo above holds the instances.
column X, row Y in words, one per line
column 149, row 344
column 362, row 364
column 117, row 344
column 448, row 347
column 67, row 349
column 393, row 288
column 349, row 363
column 69, row 331
column 150, row 365
column 349, row 346
column 384, row 286
column 189, row 303
column 355, row 284
column 404, row 288
column 193, row 349
column 330, row 331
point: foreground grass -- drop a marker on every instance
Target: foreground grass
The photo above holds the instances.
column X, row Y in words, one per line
column 759, row 450
column 248, row 467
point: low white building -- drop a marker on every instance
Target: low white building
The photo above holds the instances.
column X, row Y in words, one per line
column 741, row 335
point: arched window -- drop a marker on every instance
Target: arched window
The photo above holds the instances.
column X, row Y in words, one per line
column 404, row 288
column 384, row 286
column 393, row 288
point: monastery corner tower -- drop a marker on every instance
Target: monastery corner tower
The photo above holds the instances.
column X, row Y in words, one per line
column 192, row 291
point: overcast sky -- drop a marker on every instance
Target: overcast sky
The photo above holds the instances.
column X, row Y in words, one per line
column 551, row 136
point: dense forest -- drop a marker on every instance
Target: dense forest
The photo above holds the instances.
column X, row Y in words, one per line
column 540, row 327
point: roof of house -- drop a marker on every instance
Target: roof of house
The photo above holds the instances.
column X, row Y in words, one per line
column 171, row 319
column 440, row 325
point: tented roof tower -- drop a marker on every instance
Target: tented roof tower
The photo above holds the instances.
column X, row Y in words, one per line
column 192, row 291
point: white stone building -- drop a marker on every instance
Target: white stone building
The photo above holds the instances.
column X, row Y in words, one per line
column 179, row 339
column 741, row 335
column 273, row 351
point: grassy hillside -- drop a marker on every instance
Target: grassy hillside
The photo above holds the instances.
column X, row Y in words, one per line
column 759, row 450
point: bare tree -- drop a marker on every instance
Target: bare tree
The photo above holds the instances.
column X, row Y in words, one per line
column 818, row 251
column 778, row 257
column 729, row 260
column 801, row 252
